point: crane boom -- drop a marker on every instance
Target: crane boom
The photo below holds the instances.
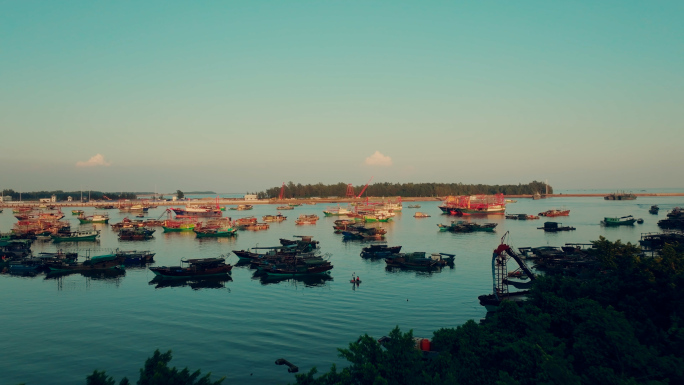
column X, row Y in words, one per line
column 365, row 187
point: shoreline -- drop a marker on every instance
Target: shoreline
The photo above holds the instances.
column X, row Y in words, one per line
column 233, row 202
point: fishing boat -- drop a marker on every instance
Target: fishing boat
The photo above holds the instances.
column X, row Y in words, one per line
column 256, row 226
column 100, row 262
column 553, row 227
column 418, row 214
column 364, row 233
column 243, row 223
column 297, row 267
column 379, row 251
column 95, row 218
column 306, row 219
column 285, row 208
column 416, row 260
column 336, row 211
column 76, row 212
column 521, row 217
column 198, row 211
column 627, row 220
column 555, row 213
column 131, row 257
column 175, row 225
column 380, row 216
column 654, row 209
column 76, row 236
column 413, row 206
column 474, row 205
column 242, row 207
column 215, row 232
column 274, row 218
column 136, row 234
column 195, row 268
column 467, row 227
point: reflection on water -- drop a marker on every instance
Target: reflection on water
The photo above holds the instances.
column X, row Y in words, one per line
column 193, row 283
column 308, row 281
column 113, row 275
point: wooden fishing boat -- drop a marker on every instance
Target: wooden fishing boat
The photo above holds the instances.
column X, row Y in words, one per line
column 307, row 219
column 299, row 267
column 195, row 268
column 654, row 209
column 256, row 226
column 136, row 234
column 413, row 206
column 100, row 262
column 131, row 257
column 274, row 218
column 467, row 227
column 76, row 236
column 95, row 218
column 242, row 207
column 555, row 213
column 379, row 251
column 215, row 232
column 174, row 225
column 521, row 217
column 77, row 212
column 416, row 260
column 243, row 223
column 627, row 220
column 553, row 227
column 336, row 211
column 284, row 208
column 194, row 211
column 418, row 214
column 474, row 205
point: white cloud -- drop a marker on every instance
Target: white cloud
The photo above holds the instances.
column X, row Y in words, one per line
column 97, row 160
column 379, row 159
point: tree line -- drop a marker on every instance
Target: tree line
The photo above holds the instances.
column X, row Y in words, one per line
column 298, row 190
column 64, row 195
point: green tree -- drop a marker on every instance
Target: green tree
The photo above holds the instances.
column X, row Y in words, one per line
column 157, row 372
column 179, row 194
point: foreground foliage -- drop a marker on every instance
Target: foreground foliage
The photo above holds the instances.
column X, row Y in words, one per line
column 156, row 372
column 620, row 325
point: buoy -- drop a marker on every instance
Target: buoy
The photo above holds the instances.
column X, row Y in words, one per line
column 425, row 345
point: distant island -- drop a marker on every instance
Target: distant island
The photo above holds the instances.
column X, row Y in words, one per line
column 291, row 190
column 200, row 192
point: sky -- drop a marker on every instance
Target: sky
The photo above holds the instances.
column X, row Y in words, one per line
column 244, row 95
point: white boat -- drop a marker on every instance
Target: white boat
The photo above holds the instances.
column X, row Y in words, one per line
column 336, row 211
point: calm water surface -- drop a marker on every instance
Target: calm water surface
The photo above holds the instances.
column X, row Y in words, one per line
column 57, row 331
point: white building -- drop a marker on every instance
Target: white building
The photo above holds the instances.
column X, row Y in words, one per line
column 250, row 197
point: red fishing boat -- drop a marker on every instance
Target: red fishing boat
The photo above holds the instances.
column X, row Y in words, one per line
column 474, row 205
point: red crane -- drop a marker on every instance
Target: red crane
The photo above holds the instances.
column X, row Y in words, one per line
column 365, row 187
column 350, row 191
column 282, row 191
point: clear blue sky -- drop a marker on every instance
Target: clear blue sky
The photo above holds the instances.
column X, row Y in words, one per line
column 241, row 96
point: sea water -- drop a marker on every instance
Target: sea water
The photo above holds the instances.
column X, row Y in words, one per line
column 58, row 330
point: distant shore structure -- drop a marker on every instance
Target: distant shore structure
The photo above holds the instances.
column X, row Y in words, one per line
column 620, row 196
